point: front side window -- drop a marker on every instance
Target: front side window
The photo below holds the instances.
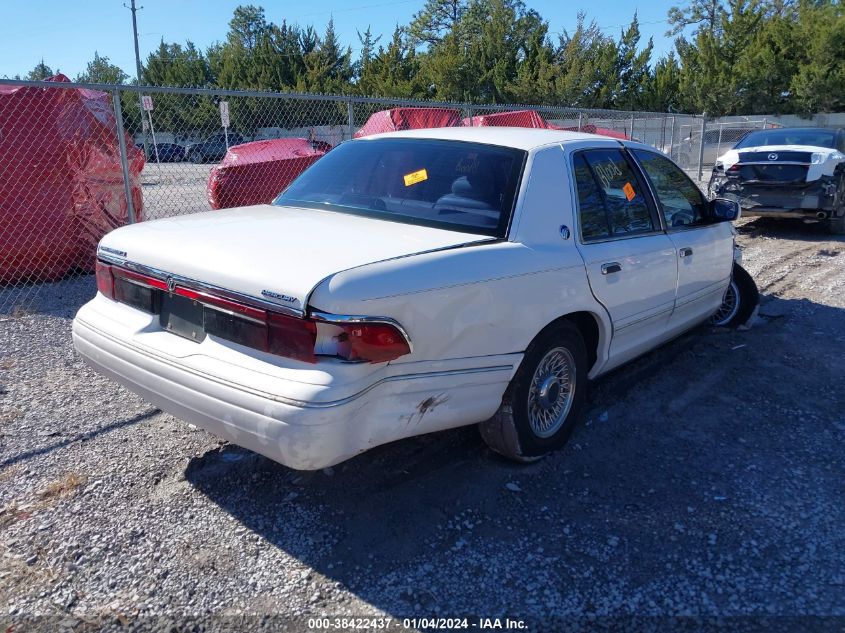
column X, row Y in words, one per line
column 454, row 185
column 611, row 201
column 680, row 201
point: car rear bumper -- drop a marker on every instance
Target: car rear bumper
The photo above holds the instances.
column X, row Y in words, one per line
column 814, row 200
column 290, row 425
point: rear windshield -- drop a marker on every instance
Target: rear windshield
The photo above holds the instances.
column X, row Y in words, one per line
column 814, row 138
column 467, row 187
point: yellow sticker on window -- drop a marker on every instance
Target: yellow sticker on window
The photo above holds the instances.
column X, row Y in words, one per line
column 629, row 192
column 415, row 176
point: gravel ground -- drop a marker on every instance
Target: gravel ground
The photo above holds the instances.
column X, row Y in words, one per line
column 706, row 480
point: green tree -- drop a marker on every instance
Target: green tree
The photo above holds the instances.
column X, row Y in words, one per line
column 436, row 20
column 537, row 73
column 586, row 60
column 41, row 71
column 632, row 68
column 703, row 14
column 709, row 79
column 818, row 84
column 101, row 71
column 392, row 71
column 768, row 64
column 368, row 49
column 446, row 72
column 661, row 90
column 328, row 67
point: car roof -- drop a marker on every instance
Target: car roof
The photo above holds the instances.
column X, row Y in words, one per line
column 796, row 129
column 516, row 137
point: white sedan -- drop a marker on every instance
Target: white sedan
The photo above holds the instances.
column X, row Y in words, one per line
column 409, row 283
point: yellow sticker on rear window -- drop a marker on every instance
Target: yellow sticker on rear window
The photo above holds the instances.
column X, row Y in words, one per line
column 415, row 176
column 629, row 192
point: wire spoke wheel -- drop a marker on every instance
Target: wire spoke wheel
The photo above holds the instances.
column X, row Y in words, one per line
column 551, row 392
column 730, row 306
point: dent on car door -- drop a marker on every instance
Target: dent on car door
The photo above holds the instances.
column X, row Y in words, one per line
column 630, row 261
column 704, row 248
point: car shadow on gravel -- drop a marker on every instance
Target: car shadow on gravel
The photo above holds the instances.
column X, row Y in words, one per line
column 684, row 455
column 81, row 437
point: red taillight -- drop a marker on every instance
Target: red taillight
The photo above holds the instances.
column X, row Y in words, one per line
column 359, row 340
column 105, row 279
column 375, row 342
column 144, row 279
column 294, row 337
column 291, row 337
column 220, row 302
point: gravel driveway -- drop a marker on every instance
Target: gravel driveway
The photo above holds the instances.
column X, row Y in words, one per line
column 707, row 479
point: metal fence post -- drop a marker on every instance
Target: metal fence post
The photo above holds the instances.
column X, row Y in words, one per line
column 350, row 118
column 672, row 137
column 580, row 120
column 632, row 127
column 124, row 161
column 701, row 143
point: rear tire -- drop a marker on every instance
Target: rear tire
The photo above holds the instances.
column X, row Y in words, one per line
column 836, row 226
column 740, row 300
column 542, row 404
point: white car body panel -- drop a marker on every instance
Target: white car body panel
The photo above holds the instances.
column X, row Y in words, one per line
column 703, row 275
column 825, row 164
column 471, row 305
column 281, row 238
column 638, row 317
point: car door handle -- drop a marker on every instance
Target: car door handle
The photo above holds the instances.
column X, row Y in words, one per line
column 686, row 251
column 610, row 267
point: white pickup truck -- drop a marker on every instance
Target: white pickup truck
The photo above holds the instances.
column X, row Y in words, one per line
column 412, row 282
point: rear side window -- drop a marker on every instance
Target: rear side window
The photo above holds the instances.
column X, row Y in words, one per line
column 611, row 201
column 591, row 209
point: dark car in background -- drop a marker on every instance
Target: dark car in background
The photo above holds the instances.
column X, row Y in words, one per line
column 163, row 152
column 213, row 148
column 786, row 172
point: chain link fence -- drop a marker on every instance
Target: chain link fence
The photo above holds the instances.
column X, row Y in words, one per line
column 78, row 160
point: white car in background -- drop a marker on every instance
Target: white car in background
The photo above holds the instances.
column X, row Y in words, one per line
column 413, row 282
column 786, row 173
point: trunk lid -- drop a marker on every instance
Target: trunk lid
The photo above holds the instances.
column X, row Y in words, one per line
column 273, row 253
column 774, row 165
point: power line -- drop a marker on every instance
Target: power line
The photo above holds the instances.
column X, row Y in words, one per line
column 614, row 26
column 347, row 9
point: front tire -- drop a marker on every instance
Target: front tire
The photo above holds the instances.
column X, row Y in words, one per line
column 740, row 300
column 543, row 402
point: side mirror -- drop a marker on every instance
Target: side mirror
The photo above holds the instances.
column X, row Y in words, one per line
column 724, row 210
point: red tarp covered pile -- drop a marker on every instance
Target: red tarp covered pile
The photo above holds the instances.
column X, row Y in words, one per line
column 517, row 118
column 257, row 172
column 532, row 119
column 61, row 183
column 409, row 119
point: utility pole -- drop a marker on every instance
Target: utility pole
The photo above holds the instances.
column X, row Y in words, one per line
column 135, row 10
column 135, row 34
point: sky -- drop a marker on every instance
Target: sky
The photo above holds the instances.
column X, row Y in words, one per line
column 66, row 34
